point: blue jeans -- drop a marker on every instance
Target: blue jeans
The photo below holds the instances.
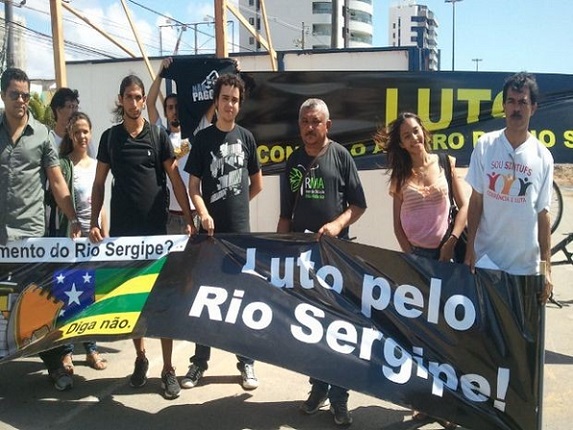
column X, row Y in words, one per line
column 52, row 358
column 90, row 347
column 431, row 253
column 336, row 395
column 203, row 355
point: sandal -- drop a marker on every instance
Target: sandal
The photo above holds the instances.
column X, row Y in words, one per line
column 448, row 425
column 96, row 361
column 68, row 364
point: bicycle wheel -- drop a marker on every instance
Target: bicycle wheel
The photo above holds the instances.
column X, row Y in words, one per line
column 556, row 209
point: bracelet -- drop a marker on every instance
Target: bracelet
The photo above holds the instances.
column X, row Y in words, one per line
column 74, row 221
column 454, row 236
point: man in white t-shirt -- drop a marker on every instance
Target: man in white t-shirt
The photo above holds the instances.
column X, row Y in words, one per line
column 175, row 222
column 511, row 174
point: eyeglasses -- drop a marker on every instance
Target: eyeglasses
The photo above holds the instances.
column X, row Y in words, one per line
column 15, row 95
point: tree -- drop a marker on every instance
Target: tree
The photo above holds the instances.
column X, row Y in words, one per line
column 41, row 112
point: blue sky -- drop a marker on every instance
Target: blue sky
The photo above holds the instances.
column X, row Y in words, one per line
column 506, row 35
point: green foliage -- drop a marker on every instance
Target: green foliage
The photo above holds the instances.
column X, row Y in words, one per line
column 41, row 112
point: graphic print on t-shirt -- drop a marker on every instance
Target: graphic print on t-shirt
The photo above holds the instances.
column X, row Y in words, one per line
column 511, row 187
column 226, row 168
column 313, row 186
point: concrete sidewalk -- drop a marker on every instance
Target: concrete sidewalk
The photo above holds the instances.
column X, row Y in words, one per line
column 105, row 400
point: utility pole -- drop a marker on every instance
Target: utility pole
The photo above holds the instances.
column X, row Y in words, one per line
column 346, row 33
column 221, row 29
column 8, row 28
column 302, row 36
column 335, row 25
column 58, row 43
column 477, row 60
column 453, row 2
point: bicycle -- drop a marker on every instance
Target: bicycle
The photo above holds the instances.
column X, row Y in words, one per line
column 556, row 208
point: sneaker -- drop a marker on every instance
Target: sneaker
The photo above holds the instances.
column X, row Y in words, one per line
column 316, row 400
column 62, row 379
column 341, row 415
column 170, row 385
column 192, row 377
column 139, row 376
column 249, row 380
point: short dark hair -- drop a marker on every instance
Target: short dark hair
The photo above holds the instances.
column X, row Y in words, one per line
column 231, row 80
column 60, row 97
column 13, row 74
column 518, row 82
column 167, row 97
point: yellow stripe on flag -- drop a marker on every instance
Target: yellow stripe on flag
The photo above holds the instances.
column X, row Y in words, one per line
column 139, row 284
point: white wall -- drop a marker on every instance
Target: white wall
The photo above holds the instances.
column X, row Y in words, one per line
column 98, row 86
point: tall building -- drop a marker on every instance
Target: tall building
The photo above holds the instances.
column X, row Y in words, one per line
column 308, row 24
column 412, row 24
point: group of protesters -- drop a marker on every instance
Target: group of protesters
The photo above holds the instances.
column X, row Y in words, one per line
column 164, row 183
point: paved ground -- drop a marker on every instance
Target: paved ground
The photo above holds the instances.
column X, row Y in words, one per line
column 105, row 399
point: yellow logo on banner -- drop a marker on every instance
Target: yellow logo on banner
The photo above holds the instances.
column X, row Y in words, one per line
column 118, row 323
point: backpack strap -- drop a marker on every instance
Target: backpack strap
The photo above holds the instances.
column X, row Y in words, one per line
column 156, row 144
column 110, row 147
column 447, row 166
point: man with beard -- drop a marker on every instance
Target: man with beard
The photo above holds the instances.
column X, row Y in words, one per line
column 511, row 174
column 139, row 156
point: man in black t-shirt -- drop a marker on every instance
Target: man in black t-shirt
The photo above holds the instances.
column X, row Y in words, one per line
column 224, row 176
column 140, row 156
column 321, row 193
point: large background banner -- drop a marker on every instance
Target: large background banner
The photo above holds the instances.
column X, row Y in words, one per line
column 422, row 334
column 456, row 106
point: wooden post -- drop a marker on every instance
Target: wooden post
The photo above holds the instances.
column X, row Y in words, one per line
column 221, row 29
column 99, row 30
column 58, row 43
column 138, row 40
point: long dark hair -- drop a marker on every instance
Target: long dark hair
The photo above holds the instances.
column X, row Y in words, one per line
column 126, row 82
column 67, row 145
column 399, row 159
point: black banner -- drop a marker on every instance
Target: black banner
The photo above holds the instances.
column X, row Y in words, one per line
column 456, row 106
column 416, row 332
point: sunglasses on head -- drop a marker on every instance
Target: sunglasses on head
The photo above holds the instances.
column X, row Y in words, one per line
column 15, row 95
